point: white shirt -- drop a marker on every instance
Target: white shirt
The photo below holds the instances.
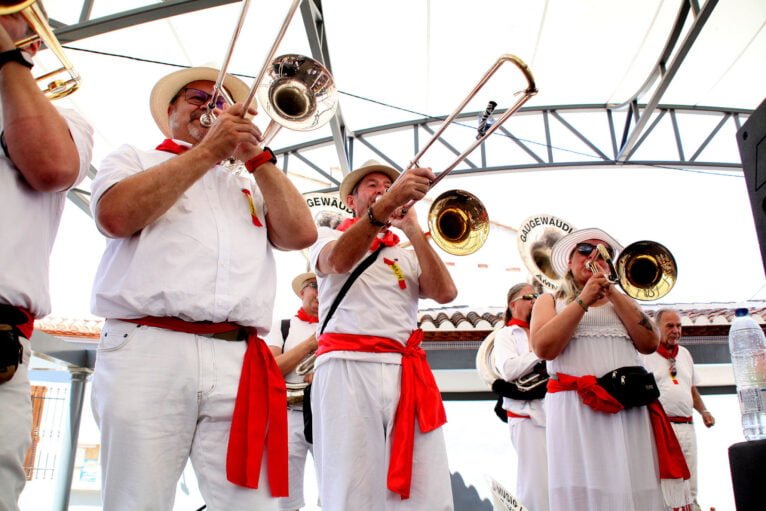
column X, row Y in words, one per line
column 513, row 359
column 202, row 260
column 29, row 221
column 676, row 398
column 375, row 304
column 299, row 331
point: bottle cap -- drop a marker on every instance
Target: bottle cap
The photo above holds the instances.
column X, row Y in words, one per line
column 741, row 312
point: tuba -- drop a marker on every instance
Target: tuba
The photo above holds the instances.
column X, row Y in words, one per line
column 535, row 240
column 485, row 359
column 38, row 23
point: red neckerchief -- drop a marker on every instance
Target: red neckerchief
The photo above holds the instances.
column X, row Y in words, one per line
column 671, row 457
column 419, row 398
column 388, row 239
column 170, row 146
column 259, row 421
column 514, row 321
column 305, row 316
column 662, row 350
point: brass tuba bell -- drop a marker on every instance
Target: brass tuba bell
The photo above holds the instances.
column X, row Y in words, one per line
column 458, row 222
column 646, row 270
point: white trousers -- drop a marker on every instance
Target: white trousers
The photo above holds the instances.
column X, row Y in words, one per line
column 532, row 472
column 15, row 432
column 160, row 397
column 353, row 404
column 688, row 440
column 297, row 450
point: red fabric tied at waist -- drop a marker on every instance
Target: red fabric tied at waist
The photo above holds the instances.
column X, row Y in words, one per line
column 669, row 454
column 512, row 415
column 419, row 397
column 681, row 420
column 259, row 421
column 27, row 327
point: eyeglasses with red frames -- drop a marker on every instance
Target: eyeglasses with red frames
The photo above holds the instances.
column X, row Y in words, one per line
column 527, row 297
column 199, row 97
column 587, row 249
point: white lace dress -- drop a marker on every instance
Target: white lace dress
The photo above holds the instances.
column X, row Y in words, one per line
column 599, row 461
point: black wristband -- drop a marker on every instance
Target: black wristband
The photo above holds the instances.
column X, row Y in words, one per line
column 15, row 56
column 374, row 221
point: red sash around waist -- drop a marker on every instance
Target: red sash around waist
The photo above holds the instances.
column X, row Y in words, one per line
column 512, row 415
column 669, row 453
column 260, row 409
column 681, row 420
column 25, row 328
column 419, row 397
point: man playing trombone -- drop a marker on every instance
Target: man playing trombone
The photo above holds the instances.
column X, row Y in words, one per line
column 188, row 274
column 292, row 341
column 377, row 410
column 46, row 151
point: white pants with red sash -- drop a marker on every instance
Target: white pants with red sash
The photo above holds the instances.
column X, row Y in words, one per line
column 354, row 405
column 159, row 398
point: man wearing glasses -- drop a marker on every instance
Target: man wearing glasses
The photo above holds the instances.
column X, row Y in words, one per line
column 292, row 341
column 514, row 358
column 187, row 285
column 45, row 152
column 673, row 370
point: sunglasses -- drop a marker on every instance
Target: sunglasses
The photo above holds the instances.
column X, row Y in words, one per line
column 587, row 249
column 527, row 297
column 199, row 97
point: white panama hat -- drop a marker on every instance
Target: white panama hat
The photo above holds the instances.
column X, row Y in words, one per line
column 563, row 248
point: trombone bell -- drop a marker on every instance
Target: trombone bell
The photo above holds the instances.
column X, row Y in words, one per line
column 647, row 270
column 458, row 222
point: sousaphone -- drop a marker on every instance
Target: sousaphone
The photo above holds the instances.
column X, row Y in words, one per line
column 535, row 240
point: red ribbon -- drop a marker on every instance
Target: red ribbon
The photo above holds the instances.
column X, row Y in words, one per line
column 259, row 421
column 419, row 398
column 389, row 239
column 514, row 321
column 669, row 454
column 305, row 316
column 170, row 146
column 662, row 350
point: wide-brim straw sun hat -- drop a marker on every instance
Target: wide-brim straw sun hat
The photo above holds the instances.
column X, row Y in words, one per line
column 168, row 86
column 300, row 280
column 563, row 248
column 352, row 178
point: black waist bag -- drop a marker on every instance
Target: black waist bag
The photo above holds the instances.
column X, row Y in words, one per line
column 532, row 385
column 631, row 386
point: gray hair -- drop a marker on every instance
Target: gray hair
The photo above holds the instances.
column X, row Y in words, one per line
column 515, row 290
column 661, row 312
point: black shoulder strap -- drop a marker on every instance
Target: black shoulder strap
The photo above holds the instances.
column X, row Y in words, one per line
column 285, row 331
column 357, row 271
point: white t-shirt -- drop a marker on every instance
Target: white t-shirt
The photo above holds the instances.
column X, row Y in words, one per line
column 203, row 260
column 376, row 304
column 299, row 331
column 676, row 398
column 29, row 221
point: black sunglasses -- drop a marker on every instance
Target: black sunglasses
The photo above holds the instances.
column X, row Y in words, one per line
column 587, row 249
column 528, row 297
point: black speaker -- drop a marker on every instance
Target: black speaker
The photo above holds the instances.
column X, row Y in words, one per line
column 747, row 461
column 751, row 139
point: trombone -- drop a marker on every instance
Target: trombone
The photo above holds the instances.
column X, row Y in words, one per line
column 645, row 270
column 297, row 92
column 38, row 23
column 458, row 221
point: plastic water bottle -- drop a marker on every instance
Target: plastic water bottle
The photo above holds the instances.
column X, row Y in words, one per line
column 747, row 345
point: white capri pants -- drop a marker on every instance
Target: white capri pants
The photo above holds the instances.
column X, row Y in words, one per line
column 160, row 397
column 353, row 404
column 15, row 432
column 532, row 471
column 297, row 451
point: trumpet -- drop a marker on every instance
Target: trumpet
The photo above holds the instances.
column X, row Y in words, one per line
column 38, row 23
column 645, row 270
column 295, row 91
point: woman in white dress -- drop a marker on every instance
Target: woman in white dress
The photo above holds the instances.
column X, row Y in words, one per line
column 597, row 460
column 526, row 420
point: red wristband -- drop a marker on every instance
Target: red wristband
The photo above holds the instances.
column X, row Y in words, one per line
column 256, row 161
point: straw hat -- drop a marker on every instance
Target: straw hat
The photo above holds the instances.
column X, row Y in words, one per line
column 563, row 248
column 169, row 85
column 352, row 178
column 300, row 280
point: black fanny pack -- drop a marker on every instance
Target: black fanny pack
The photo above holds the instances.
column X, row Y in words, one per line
column 532, row 385
column 11, row 351
column 631, row 386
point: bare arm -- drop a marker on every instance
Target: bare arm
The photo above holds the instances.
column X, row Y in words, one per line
column 640, row 328
column 290, row 359
column 551, row 331
column 699, row 405
column 37, row 136
column 289, row 219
